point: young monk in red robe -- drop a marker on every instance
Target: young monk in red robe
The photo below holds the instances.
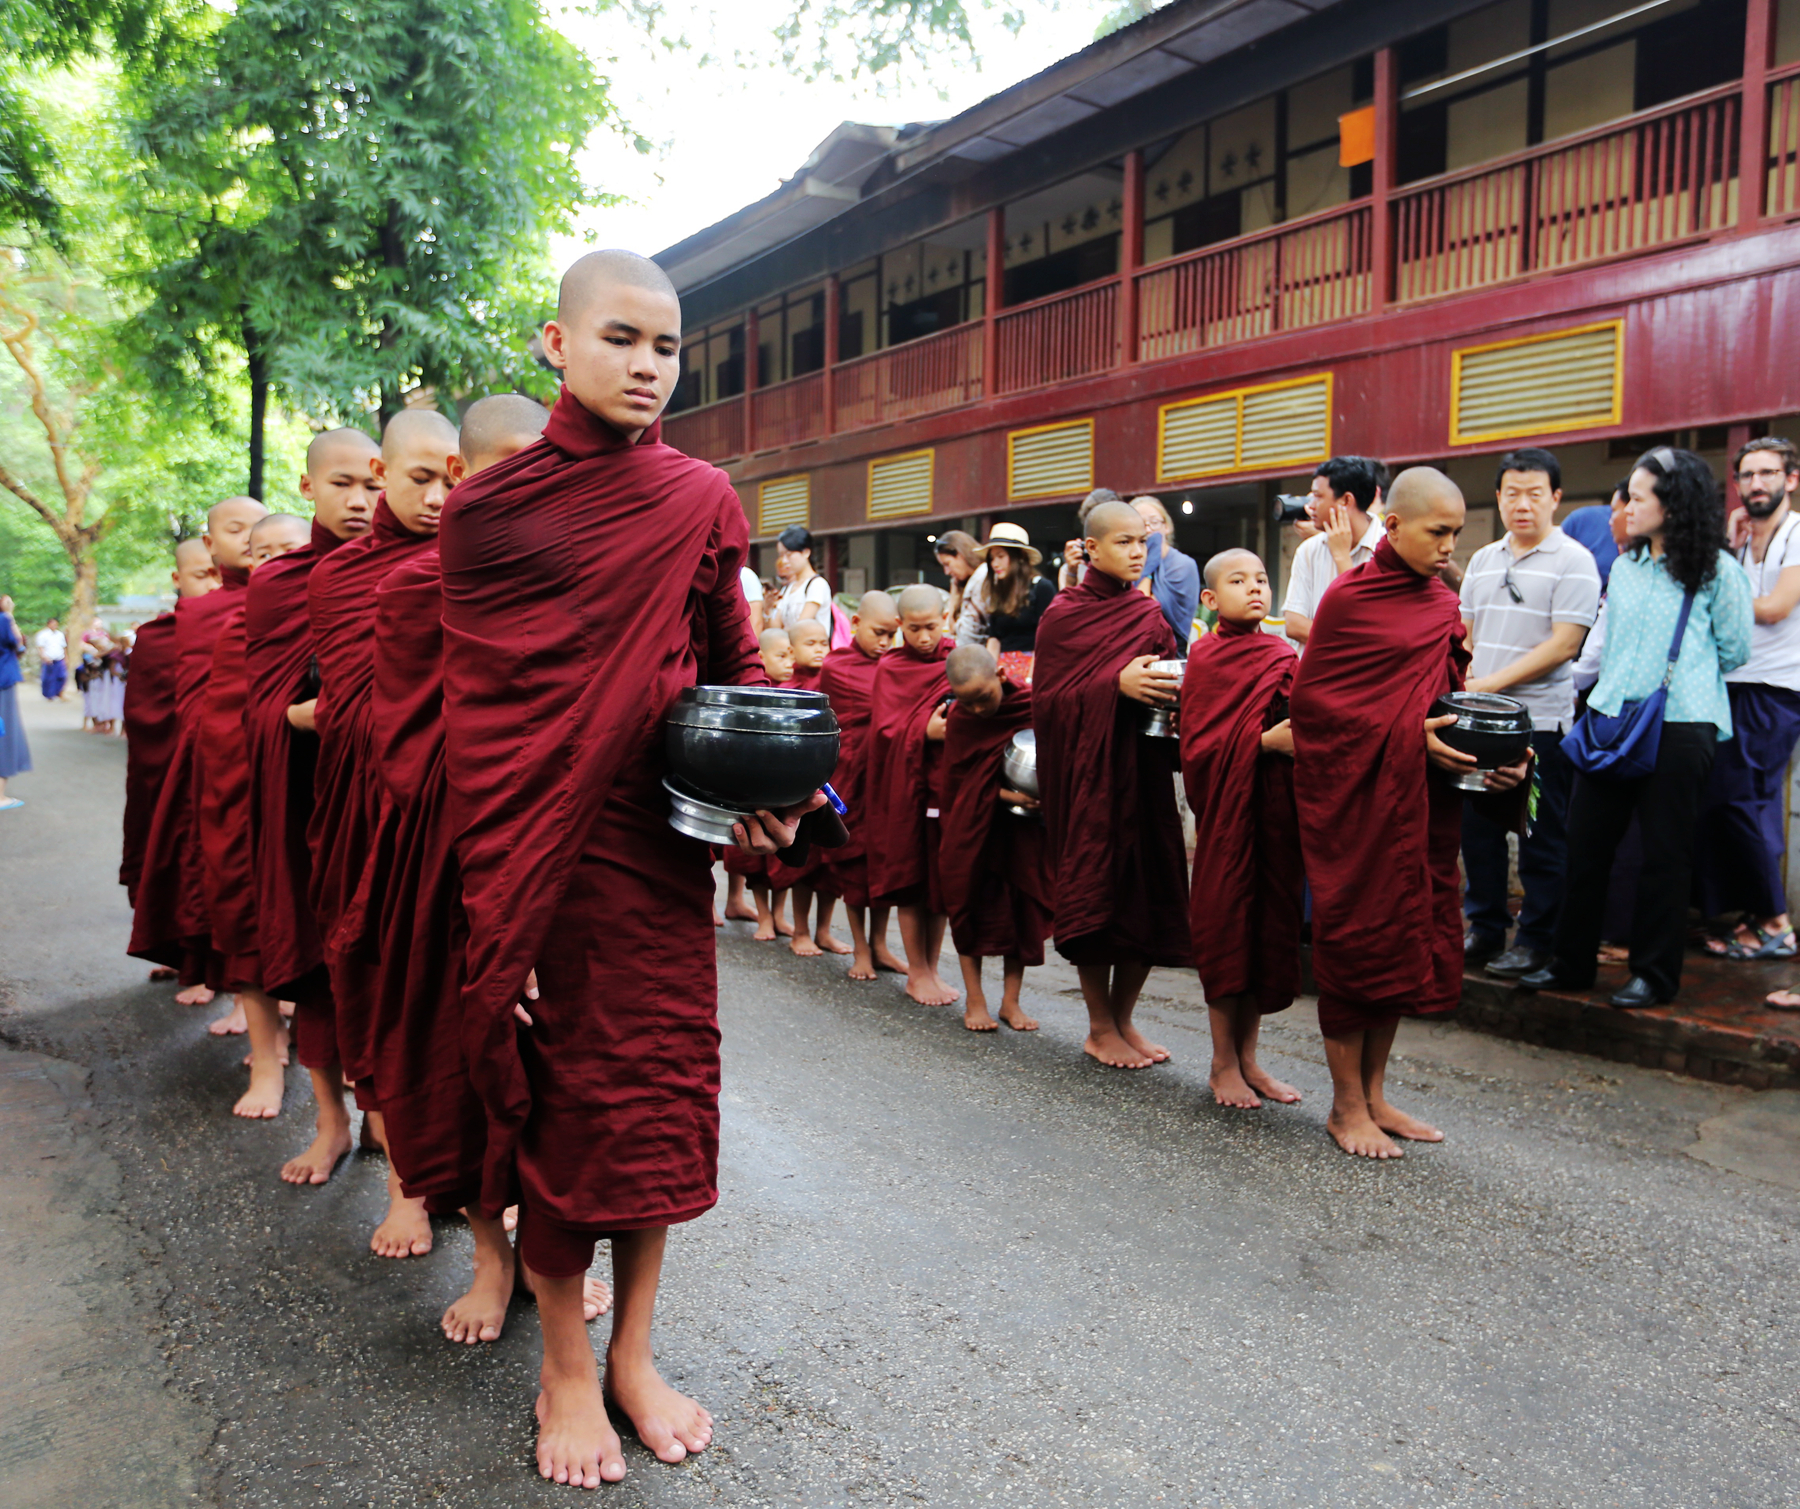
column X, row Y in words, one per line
column 171, row 926
column 810, row 642
column 1120, row 887
column 768, row 896
column 996, row 883
column 848, row 681
column 278, row 727
column 1379, row 829
column 413, row 472
column 904, row 792
column 605, row 563
column 1237, row 759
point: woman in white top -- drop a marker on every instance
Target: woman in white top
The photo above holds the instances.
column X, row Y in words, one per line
column 804, row 593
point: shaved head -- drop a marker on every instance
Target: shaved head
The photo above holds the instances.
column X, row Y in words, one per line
column 282, row 527
column 612, row 268
column 338, row 445
column 412, row 427
column 1420, row 489
column 1112, row 514
column 194, row 573
column 227, row 536
column 1425, row 514
column 920, row 599
column 1225, row 560
column 192, row 553
column 969, row 664
column 229, row 508
column 809, row 630
column 497, row 427
column 876, row 605
column 770, row 639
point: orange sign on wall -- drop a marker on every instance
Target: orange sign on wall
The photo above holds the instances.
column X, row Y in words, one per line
column 1356, row 137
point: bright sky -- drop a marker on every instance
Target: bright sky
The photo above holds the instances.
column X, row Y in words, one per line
column 728, row 132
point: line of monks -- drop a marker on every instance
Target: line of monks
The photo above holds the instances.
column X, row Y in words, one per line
column 398, row 770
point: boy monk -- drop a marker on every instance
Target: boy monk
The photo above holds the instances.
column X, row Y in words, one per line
column 752, row 870
column 278, row 728
column 995, row 882
column 605, row 564
column 1379, row 830
column 171, row 926
column 1120, row 873
column 777, row 652
column 810, row 641
column 904, row 790
column 1237, row 759
column 848, row 681
column 340, row 593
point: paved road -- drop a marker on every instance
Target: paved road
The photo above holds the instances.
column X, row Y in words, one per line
column 945, row 1270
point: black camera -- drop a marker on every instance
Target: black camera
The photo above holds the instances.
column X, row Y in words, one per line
column 1291, row 508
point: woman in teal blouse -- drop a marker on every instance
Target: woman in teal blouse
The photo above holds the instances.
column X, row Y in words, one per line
column 1676, row 519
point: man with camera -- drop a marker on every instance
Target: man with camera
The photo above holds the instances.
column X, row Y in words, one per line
column 1346, row 492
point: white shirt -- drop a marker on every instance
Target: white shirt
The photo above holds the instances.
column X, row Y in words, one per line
column 1774, row 648
column 971, row 622
column 795, row 597
column 52, row 644
column 1314, row 570
column 751, row 584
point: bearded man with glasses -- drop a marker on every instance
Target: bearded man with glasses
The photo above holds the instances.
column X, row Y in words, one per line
column 1528, row 601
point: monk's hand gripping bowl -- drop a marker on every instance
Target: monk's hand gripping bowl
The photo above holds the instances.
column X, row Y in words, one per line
column 1159, row 722
column 1496, row 730
column 1020, row 768
column 738, row 749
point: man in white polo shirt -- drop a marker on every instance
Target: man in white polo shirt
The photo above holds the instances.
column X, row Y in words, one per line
column 1346, row 494
column 1528, row 601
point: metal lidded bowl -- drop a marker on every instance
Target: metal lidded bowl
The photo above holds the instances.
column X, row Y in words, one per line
column 1020, row 768
column 735, row 749
column 1496, row 730
column 1159, row 722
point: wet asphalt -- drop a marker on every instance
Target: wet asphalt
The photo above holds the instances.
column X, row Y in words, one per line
column 945, row 1269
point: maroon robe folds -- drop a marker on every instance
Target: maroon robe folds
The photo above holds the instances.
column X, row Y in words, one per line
column 225, row 809
column 804, row 679
column 848, row 681
column 996, row 881
column 815, row 871
column 1120, row 870
column 904, row 778
column 150, row 735
column 282, row 763
column 347, row 787
column 1379, row 831
column 172, row 926
column 1249, row 888
column 586, row 581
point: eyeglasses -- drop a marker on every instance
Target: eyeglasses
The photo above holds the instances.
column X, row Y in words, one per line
column 1773, row 474
column 1512, row 589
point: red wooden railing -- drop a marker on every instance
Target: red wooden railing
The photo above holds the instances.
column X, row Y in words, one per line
column 1663, row 176
column 788, row 413
column 1309, row 272
column 936, row 372
column 1065, row 335
column 1783, row 193
column 714, row 433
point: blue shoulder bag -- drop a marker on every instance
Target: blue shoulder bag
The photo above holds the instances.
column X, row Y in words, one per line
column 1623, row 746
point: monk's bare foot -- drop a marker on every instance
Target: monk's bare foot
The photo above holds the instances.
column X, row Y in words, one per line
column 286, row 1008
column 194, row 995
column 884, row 959
column 928, row 990
column 831, row 945
column 1401, row 1125
column 803, row 947
column 232, row 1024
column 1266, row 1084
column 1113, row 1051
column 977, row 1017
column 317, row 1163
column 596, row 1294
column 1359, row 1135
column 784, row 928
column 718, row 921
column 765, row 932
column 509, row 1218
column 740, row 911
column 670, row 1424
column 576, row 1443
column 480, row 1314
column 404, row 1232
column 281, row 1040
column 862, row 967
column 163, row 972
column 1013, row 1014
column 1155, row 1052
column 1230, row 1088
column 263, row 1099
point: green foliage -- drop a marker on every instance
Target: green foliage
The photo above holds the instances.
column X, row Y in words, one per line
column 1123, row 14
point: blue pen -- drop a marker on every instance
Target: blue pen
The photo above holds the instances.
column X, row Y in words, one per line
column 837, row 802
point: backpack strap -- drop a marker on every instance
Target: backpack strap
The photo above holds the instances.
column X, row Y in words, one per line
column 1681, row 623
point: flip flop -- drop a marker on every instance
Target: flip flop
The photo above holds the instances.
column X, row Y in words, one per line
column 11, row 802
column 1779, row 945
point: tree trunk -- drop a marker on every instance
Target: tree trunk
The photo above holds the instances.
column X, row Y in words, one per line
column 84, row 599
column 259, row 405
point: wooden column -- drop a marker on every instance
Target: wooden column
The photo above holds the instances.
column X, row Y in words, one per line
column 1753, row 143
column 1381, row 228
column 752, row 359
column 996, row 288
column 1131, row 255
column 832, row 297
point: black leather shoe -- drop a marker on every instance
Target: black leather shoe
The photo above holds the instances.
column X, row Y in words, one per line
column 1635, row 996
column 1548, row 978
column 1478, row 948
column 1516, row 961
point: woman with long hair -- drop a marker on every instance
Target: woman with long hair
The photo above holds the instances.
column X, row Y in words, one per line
column 1013, row 599
column 959, row 558
column 1675, row 520
column 804, row 593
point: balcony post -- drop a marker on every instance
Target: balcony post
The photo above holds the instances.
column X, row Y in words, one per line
column 752, row 359
column 832, row 296
column 1753, row 112
column 1131, row 255
column 1381, row 215
column 996, row 286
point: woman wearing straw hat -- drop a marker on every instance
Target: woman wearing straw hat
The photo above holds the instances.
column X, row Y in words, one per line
column 1014, row 597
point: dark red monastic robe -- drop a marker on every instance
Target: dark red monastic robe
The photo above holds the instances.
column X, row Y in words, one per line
column 347, row 787
column 996, row 881
column 904, row 779
column 1249, row 888
column 1378, row 829
column 225, row 809
column 586, row 582
column 1119, row 866
column 282, row 763
column 805, row 678
column 172, row 926
column 150, row 737
column 815, row 870
column 848, row 680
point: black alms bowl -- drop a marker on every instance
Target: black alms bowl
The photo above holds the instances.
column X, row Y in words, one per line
column 752, row 747
column 1495, row 729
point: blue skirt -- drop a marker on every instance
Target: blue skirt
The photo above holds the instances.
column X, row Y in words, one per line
column 15, row 753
